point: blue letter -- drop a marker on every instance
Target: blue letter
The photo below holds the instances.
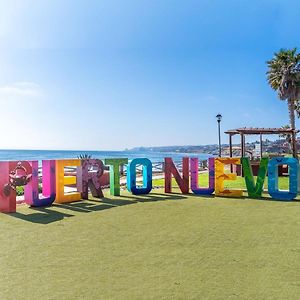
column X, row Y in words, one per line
column 273, row 178
column 147, row 176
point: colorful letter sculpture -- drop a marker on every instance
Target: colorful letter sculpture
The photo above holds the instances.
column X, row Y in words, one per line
column 147, row 176
column 194, row 177
column 273, row 178
column 114, row 174
column 31, row 191
column 87, row 178
column 7, row 195
column 255, row 190
column 221, row 176
column 61, row 197
column 89, row 172
column 13, row 174
column 170, row 169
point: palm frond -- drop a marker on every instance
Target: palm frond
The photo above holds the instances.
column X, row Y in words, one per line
column 283, row 73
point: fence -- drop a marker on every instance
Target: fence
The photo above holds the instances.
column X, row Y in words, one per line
column 157, row 168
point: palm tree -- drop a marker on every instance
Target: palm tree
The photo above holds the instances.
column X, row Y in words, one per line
column 284, row 77
column 84, row 156
column 287, row 136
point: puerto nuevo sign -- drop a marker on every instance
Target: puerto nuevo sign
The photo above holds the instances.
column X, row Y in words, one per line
column 89, row 172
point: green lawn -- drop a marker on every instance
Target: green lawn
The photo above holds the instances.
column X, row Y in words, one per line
column 158, row 246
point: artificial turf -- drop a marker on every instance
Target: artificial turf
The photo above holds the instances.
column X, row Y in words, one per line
column 156, row 246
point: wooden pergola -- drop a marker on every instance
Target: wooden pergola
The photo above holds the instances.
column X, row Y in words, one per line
column 257, row 131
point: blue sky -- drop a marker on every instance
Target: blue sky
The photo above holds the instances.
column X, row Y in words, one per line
column 109, row 75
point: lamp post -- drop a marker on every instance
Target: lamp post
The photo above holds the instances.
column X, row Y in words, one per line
column 219, row 118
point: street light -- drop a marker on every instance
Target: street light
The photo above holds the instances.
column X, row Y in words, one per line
column 219, row 118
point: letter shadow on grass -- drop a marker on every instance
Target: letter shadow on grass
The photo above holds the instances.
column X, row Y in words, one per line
column 153, row 197
column 55, row 212
column 43, row 215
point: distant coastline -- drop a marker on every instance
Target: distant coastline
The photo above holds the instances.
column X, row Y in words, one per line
column 201, row 149
column 276, row 146
column 156, row 154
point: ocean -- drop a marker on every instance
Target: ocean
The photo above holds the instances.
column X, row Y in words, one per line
column 155, row 157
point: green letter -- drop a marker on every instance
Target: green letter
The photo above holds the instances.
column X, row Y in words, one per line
column 255, row 190
column 114, row 174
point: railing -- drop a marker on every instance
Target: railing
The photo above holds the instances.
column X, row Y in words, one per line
column 157, row 168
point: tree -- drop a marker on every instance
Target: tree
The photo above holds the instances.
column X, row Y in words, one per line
column 84, row 156
column 284, row 77
column 287, row 136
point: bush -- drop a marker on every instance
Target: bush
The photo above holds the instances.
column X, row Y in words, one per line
column 20, row 190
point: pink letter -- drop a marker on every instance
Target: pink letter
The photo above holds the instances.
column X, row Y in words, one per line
column 12, row 174
column 170, row 169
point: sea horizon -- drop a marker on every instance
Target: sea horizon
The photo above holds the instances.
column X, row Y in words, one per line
column 154, row 156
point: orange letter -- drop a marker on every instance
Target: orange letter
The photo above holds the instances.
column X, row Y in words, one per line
column 61, row 180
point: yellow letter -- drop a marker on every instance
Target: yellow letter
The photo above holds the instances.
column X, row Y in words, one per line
column 221, row 176
column 61, row 180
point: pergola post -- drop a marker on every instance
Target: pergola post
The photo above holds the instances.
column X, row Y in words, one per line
column 230, row 145
column 230, row 151
column 244, row 141
column 242, row 145
column 261, row 151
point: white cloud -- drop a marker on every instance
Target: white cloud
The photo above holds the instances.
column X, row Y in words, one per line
column 19, row 90
column 247, row 115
